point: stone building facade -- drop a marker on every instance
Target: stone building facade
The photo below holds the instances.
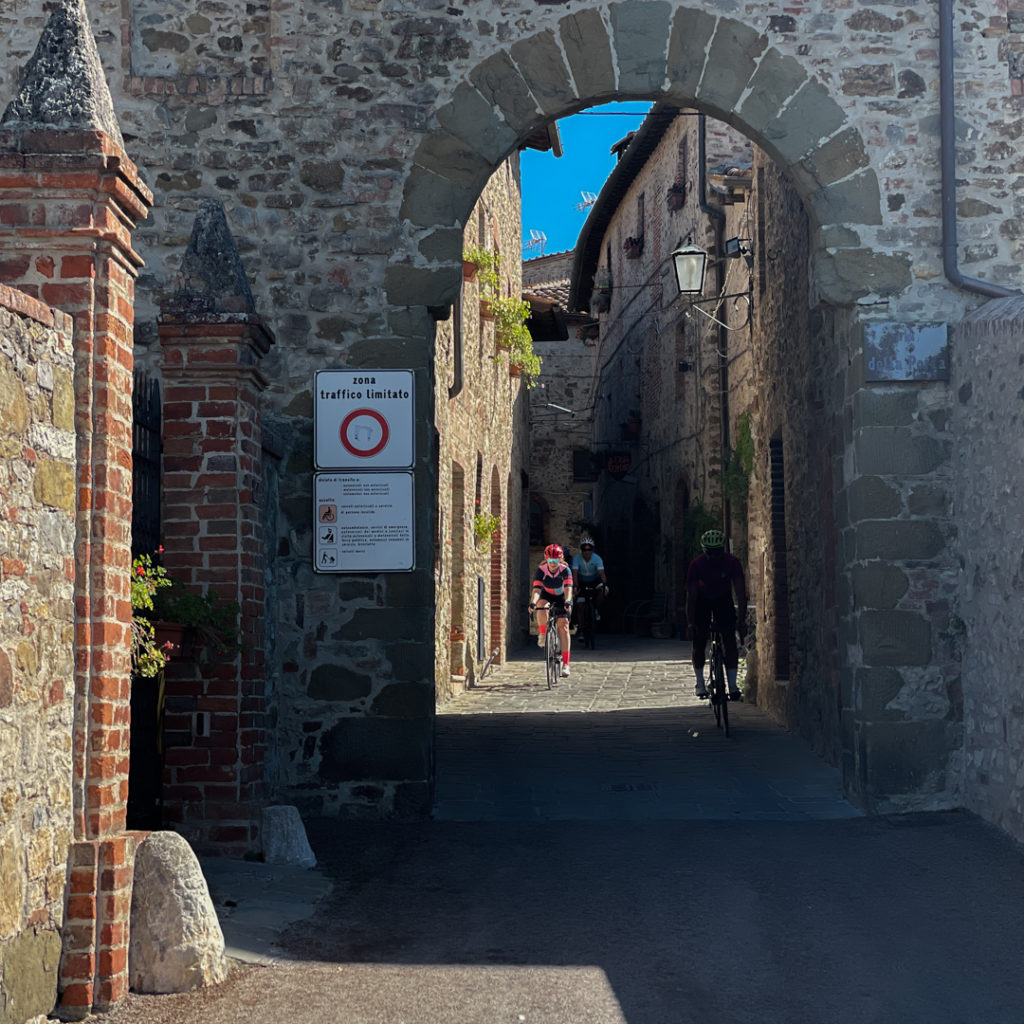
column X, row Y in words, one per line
column 482, row 429
column 348, row 144
column 671, row 383
column 562, row 472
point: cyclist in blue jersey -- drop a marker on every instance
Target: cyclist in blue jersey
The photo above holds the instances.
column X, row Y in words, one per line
column 588, row 575
column 552, row 588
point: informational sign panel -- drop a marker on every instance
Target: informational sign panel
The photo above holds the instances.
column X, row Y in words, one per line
column 363, row 419
column 901, row 351
column 363, row 522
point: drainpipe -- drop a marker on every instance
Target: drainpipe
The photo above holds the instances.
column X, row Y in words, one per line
column 456, row 386
column 718, row 217
column 947, row 151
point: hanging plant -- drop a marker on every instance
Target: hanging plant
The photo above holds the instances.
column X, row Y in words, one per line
column 487, row 264
column 485, row 528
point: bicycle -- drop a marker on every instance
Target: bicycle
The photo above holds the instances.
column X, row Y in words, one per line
column 586, row 616
column 552, row 644
column 717, row 695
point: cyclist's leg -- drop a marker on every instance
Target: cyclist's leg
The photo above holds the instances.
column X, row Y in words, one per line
column 726, row 616
column 562, row 624
column 542, row 620
column 701, row 624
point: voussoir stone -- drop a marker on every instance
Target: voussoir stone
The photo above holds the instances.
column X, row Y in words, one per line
column 176, row 941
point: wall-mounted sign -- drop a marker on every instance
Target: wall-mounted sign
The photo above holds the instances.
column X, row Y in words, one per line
column 363, row 419
column 899, row 351
column 617, row 464
column 363, row 522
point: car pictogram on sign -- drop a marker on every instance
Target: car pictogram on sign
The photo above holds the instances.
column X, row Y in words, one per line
column 364, row 433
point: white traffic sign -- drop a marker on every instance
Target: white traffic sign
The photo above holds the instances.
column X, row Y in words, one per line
column 363, row 522
column 363, row 419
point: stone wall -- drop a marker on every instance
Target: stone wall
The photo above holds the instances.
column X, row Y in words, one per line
column 796, row 424
column 37, row 625
column 988, row 475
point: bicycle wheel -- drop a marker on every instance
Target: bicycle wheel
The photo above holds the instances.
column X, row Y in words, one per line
column 552, row 653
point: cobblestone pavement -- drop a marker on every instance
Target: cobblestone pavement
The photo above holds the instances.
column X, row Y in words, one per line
column 511, row 750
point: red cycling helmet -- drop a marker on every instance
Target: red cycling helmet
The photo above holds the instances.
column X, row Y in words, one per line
column 553, row 551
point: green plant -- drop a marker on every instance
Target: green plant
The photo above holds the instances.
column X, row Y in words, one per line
column 485, row 528
column 215, row 621
column 510, row 316
column 147, row 579
column 738, row 465
column 488, row 264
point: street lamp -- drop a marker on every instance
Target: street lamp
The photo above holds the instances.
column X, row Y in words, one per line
column 691, row 263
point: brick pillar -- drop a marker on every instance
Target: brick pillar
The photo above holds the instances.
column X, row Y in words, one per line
column 68, row 201
column 213, row 538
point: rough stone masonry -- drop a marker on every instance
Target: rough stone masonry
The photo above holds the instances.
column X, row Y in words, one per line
column 347, row 142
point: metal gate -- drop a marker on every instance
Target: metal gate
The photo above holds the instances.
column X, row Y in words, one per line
column 146, row 465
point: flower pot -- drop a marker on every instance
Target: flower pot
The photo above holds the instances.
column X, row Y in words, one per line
column 486, row 313
column 513, row 370
column 180, row 637
column 469, row 269
column 502, row 344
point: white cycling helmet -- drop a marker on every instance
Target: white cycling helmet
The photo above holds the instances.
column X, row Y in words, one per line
column 587, row 542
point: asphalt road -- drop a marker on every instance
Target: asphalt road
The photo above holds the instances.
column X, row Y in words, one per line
column 576, row 875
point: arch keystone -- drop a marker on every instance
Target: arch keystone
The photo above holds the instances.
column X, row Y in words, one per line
column 687, row 52
column 640, row 30
column 589, row 52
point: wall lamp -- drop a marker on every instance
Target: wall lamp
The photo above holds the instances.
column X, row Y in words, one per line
column 691, row 264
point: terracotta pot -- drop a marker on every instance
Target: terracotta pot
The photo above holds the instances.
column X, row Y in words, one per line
column 513, row 370
column 469, row 269
column 485, row 310
column 178, row 635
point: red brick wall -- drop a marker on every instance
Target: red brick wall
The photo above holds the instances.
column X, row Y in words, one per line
column 212, row 514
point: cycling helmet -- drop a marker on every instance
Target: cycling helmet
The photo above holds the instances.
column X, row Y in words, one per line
column 712, row 539
column 587, row 542
column 553, row 551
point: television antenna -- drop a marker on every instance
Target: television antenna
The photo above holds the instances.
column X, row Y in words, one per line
column 589, row 198
column 537, row 240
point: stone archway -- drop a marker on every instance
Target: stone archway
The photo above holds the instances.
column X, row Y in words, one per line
column 892, row 759
column 649, row 51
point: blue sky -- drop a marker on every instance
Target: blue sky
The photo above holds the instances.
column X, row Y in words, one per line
column 552, row 187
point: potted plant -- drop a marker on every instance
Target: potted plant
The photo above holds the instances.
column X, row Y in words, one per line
column 510, row 316
column 675, row 197
column 213, row 621
column 486, row 264
column 524, row 362
column 633, row 247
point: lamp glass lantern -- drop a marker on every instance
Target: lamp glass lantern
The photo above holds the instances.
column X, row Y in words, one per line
column 691, row 263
